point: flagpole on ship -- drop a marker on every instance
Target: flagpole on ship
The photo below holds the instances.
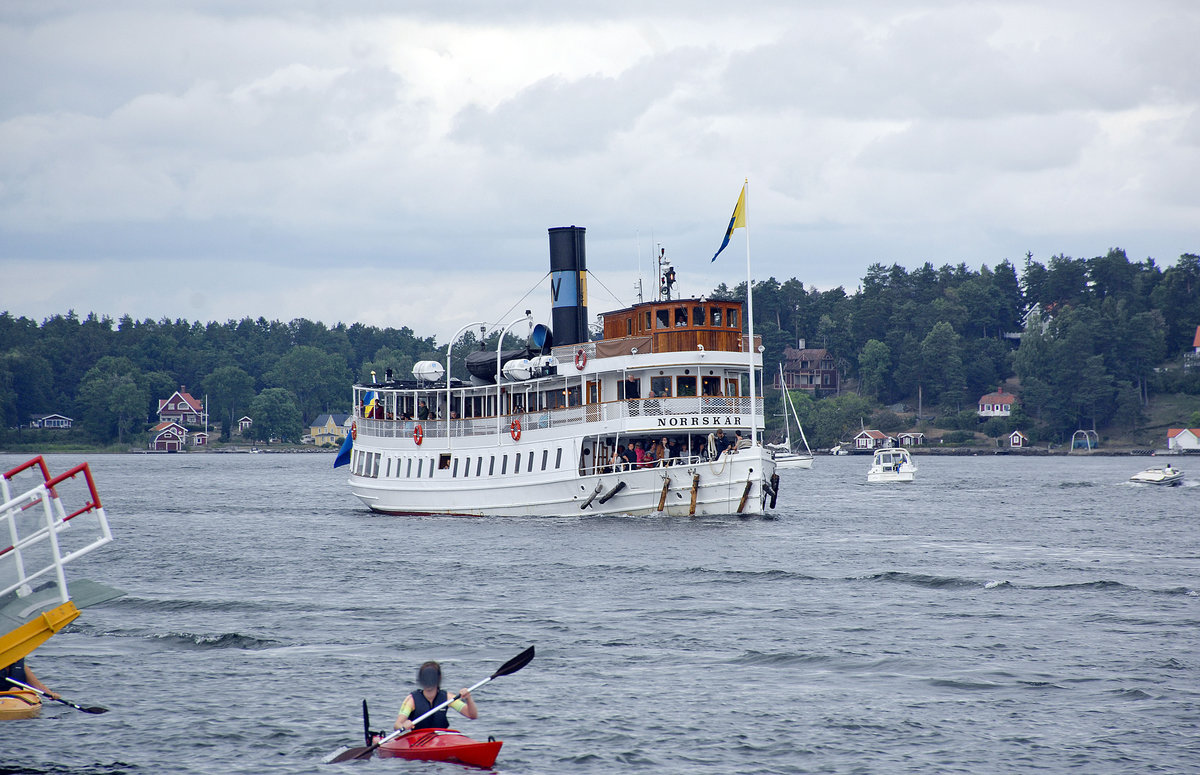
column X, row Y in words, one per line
column 750, row 319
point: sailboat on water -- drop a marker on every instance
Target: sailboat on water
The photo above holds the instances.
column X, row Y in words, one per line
column 785, row 456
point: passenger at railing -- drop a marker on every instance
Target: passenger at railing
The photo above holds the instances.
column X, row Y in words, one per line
column 652, row 405
column 659, row 450
column 422, row 410
column 617, row 463
column 721, row 442
column 632, row 391
column 19, row 671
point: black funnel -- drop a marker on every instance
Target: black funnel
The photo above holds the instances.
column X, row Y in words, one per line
column 568, row 285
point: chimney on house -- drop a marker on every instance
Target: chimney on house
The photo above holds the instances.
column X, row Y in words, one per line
column 800, row 345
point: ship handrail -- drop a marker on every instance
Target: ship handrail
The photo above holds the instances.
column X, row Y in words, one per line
column 539, row 419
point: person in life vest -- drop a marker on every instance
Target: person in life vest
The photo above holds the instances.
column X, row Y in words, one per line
column 19, row 671
column 429, row 696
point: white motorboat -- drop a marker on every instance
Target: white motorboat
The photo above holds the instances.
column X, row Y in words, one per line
column 892, row 465
column 538, row 430
column 785, row 457
column 1167, row 475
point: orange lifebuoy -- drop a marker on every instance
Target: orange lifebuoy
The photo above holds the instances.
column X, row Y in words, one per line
column 354, row 431
column 580, row 359
column 418, row 435
column 515, row 430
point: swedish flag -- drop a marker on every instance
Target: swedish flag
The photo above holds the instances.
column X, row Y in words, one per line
column 736, row 222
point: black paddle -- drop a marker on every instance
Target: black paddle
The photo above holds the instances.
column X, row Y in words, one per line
column 93, row 709
column 508, row 668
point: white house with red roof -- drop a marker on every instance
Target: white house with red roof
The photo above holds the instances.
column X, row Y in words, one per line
column 1183, row 438
column 167, row 436
column 872, row 439
column 998, row 404
column 182, row 408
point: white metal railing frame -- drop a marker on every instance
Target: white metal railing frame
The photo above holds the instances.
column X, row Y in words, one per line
column 541, row 419
column 55, row 519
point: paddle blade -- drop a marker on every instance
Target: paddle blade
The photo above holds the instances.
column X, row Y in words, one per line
column 93, row 709
column 515, row 664
column 347, row 754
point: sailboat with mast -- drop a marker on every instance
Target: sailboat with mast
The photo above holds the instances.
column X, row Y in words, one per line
column 785, row 456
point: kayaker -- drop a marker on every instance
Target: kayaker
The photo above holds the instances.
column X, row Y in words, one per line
column 429, row 696
column 20, row 671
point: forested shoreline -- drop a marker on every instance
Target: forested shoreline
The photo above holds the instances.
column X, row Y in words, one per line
column 1091, row 342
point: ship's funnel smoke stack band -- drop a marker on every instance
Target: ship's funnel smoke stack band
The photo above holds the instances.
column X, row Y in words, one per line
column 568, row 285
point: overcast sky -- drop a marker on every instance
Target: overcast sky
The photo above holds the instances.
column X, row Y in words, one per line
column 398, row 163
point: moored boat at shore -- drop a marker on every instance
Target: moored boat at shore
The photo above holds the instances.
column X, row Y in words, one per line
column 644, row 421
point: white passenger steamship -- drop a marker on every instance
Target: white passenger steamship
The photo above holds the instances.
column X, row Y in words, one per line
column 537, row 431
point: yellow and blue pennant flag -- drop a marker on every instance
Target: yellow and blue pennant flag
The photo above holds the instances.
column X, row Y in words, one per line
column 736, row 222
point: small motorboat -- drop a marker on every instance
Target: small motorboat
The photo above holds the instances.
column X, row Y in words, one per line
column 892, row 465
column 19, row 703
column 443, row 745
column 1167, row 475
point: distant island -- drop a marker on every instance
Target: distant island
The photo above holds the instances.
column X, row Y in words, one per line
column 1103, row 345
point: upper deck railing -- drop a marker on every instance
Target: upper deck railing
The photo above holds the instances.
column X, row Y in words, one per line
column 675, row 414
column 660, row 342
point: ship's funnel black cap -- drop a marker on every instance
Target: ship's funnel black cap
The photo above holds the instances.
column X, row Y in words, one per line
column 568, row 285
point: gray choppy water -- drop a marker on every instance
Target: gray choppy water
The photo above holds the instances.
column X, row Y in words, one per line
column 999, row 615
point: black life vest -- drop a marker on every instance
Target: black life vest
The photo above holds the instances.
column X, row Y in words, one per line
column 421, row 706
column 15, row 670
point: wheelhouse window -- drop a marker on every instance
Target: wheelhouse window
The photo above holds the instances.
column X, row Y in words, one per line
column 697, row 316
column 731, row 318
column 681, row 318
column 662, row 318
column 716, row 317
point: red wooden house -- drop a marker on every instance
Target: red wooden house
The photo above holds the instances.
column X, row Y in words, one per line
column 167, row 436
column 182, row 408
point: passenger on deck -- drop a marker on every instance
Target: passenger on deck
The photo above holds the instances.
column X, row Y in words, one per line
column 422, row 410
column 721, row 442
column 429, row 696
column 618, row 458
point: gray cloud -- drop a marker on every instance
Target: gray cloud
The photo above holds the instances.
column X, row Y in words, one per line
column 312, row 143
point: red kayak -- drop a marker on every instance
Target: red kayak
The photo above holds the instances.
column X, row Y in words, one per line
column 442, row 745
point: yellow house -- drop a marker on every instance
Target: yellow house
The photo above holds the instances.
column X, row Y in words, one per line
column 329, row 429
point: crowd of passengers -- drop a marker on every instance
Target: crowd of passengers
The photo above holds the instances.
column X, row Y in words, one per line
column 668, row 450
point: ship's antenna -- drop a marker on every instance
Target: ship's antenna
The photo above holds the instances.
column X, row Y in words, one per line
column 638, row 285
